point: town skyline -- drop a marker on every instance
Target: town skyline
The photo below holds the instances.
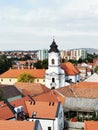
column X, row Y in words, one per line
column 31, row 24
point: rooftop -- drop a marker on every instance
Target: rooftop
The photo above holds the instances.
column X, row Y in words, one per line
column 69, row 68
column 16, row 125
column 45, row 110
column 15, row 73
column 80, row 90
column 91, row 125
column 31, row 89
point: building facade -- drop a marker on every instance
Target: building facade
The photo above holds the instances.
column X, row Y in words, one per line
column 55, row 76
column 74, row 54
column 42, row 54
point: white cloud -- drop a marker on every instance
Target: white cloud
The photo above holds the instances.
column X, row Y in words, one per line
column 71, row 18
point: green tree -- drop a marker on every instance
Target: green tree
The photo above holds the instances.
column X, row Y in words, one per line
column 24, row 77
column 38, row 64
column 41, row 64
column 73, row 61
column 96, row 69
column 1, row 94
column 5, row 63
column 45, row 64
column 80, row 60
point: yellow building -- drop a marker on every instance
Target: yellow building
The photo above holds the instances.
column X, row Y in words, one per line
column 10, row 77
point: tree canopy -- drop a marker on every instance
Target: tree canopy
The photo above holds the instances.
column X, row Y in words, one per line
column 41, row 64
column 24, row 77
column 5, row 63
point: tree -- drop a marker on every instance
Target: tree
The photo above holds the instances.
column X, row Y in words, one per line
column 5, row 63
column 38, row 64
column 73, row 61
column 45, row 64
column 96, row 69
column 1, row 94
column 24, row 77
column 41, row 64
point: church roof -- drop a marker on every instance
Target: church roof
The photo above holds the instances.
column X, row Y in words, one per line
column 53, row 47
column 69, row 68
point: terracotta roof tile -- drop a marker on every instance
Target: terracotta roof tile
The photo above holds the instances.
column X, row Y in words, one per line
column 69, row 68
column 86, row 89
column 66, row 91
column 91, row 125
column 51, row 96
column 16, row 125
column 32, row 89
column 80, row 90
column 14, row 73
column 6, row 113
column 45, row 110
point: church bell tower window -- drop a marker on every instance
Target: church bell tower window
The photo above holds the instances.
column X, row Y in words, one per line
column 53, row 61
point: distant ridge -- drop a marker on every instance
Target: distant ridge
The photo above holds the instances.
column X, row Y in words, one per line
column 92, row 50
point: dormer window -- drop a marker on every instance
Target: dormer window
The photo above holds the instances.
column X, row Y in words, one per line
column 53, row 61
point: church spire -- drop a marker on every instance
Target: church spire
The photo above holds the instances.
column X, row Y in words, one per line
column 53, row 47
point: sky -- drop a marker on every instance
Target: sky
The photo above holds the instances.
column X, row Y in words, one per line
column 32, row 24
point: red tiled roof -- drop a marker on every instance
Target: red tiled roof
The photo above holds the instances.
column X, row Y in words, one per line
column 14, row 73
column 16, row 125
column 81, row 90
column 69, row 68
column 91, row 125
column 42, row 109
column 31, row 89
column 6, row 113
column 50, row 96
column 66, row 91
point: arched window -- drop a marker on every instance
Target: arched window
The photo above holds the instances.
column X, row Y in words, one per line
column 53, row 61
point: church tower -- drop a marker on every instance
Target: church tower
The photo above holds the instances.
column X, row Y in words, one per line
column 55, row 76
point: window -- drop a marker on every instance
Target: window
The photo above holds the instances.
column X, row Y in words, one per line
column 49, row 128
column 1, row 80
column 10, row 80
column 53, row 61
column 43, row 80
column 37, row 80
column 53, row 80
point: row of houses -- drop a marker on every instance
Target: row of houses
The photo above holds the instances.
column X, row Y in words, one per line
column 72, row 104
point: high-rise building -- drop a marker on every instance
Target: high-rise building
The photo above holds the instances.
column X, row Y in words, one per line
column 42, row 54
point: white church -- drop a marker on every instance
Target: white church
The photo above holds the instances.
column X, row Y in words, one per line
column 58, row 74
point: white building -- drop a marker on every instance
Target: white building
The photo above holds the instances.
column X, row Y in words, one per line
column 42, row 54
column 55, row 76
column 59, row 74
column 50, row 114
